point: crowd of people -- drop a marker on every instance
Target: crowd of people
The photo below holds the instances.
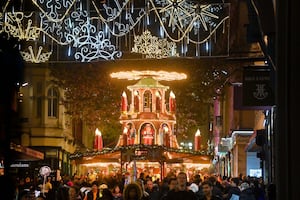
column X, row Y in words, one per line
column 172, row 187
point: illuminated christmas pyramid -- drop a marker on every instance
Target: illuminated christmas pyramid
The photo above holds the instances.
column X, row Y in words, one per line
column 146, row 117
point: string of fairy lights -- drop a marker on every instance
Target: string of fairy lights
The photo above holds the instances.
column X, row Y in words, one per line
column 85, row 31
column 80, row 154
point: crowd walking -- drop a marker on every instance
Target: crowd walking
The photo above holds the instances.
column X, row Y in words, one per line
column 172, row 187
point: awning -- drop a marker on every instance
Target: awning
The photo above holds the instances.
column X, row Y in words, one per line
column 22, row 153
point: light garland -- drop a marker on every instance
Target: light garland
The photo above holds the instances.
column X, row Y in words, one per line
column 95, row 30
column 131, row 149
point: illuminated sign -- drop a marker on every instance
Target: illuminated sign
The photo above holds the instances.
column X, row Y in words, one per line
column 19, row 165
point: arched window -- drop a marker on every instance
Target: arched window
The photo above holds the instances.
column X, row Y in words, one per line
column 52, row 102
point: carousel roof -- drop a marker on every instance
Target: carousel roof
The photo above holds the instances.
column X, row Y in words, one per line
column 147, row 82
column 152, row 153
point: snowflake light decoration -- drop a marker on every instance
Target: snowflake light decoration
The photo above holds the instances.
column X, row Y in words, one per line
column 153, row 47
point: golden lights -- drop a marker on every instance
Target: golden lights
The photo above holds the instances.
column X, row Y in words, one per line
column 158, row 75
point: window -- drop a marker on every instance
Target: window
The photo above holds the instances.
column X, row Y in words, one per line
column 52, row 102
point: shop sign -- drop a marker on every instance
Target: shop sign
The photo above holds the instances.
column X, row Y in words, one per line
column 257, row 86
column 19, row 165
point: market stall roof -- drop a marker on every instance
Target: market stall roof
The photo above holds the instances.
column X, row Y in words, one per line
column 143, row 153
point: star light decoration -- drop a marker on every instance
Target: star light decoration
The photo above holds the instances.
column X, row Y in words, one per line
column 106, row 30
column 157, row 75
column 182, row 14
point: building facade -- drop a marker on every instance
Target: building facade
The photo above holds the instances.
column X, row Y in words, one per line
column 44, row 124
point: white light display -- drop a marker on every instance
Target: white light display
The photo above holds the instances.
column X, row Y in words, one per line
column 13, row 24
column 39, row 57
column 153, row 47
column 107, row 30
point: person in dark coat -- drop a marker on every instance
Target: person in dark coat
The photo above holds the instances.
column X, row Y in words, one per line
column 216, row 186
column 246, row 192
column 181, row 192
column 233, row 188
column 152, row 190
column 106, row 194
column 207, row 188
column 168, row 185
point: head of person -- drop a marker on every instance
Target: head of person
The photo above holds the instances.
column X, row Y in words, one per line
column 72, row 192
column 207, row 187
column 172, row 183
column 182, row 179
column 197, row 179
column 116, row 189
column 142, row 175
column 95, row 185
column 234, row 181
column 212, row 179
column 132, row 191
column 149, row 184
